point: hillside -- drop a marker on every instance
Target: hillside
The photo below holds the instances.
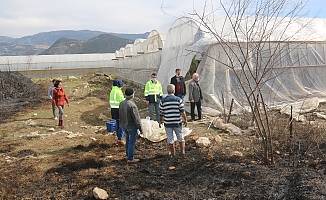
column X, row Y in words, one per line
column 104, row 43
column 37, row 43
column 131, row 36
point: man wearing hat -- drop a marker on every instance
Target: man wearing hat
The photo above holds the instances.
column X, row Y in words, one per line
column 130, row 123
column 116, row 97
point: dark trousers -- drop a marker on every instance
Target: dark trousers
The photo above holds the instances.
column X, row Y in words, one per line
column 192, row 109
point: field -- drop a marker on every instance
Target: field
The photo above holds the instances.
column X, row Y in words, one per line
column 38, row 160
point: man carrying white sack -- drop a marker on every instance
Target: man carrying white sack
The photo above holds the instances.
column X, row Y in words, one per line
column 172, row 110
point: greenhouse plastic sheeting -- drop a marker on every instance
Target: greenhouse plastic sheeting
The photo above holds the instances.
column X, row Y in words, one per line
column 46, row 62
column 300, row 69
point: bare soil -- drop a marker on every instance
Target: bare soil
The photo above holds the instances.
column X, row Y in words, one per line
column 37, row 163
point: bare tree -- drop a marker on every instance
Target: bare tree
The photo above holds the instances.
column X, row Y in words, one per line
column 253, row 38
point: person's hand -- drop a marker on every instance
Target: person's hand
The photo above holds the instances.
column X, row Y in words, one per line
column 68, row 104
column 141, row 132
column 185, row 123
column 184, row 94
column 160, row 124
column 192, row 101
column 147, row 102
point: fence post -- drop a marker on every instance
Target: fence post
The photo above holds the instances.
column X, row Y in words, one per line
column 230, row 110
column 291, row 124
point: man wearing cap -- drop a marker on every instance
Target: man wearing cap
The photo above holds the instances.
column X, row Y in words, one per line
column 116, row 97
column 153, row 93
column 130, row 123
column 172, row 110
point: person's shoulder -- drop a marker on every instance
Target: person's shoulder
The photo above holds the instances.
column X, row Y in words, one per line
column 170, row 98
column 123, row 102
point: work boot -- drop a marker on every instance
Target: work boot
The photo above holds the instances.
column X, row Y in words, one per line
column 61, row 124
column 121, row 143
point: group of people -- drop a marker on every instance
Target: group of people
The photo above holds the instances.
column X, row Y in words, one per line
column 154, row 93
column 168, row 110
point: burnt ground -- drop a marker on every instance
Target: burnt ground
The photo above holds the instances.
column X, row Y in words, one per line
column 54, row 167
column 16, row 93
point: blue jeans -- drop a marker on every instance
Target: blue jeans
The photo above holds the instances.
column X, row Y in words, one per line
column 118, row 130
column 53, row 110
column 131, row 137
column 157, row 110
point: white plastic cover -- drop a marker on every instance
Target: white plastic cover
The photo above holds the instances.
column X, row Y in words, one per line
column 300, row 66
column 46, row 62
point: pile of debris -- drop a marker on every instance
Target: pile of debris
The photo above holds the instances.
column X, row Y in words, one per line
column 16, row 92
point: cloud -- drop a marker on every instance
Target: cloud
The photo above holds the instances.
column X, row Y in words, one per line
column 20, row 18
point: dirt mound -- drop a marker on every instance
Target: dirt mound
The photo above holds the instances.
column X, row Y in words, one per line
column 16, row 92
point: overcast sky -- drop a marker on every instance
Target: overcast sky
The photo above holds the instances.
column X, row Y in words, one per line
column 20, row 18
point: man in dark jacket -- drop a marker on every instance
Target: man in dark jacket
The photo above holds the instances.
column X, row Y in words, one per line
column 130, row 123
column 179, row 83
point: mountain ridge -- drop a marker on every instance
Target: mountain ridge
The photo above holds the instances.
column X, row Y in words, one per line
column 38, row 43
column 105, row 43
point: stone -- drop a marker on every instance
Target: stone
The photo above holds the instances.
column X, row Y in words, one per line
column 35, row 133
column 236, row 154
column 74, row 135
column 30, row 123
column 309, row 155
column 171, row 168
column 203, row 142
column 246, row 173
column 100, row 193
column 194, row 138
column 210, row 157
column 51, row 130
column 218, row 138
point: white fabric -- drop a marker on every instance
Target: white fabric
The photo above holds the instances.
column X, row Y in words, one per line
column 154, row 133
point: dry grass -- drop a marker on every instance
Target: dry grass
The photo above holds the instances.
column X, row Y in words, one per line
column 51, row 166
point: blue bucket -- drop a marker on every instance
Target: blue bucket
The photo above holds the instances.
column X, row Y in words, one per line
column 110, row 126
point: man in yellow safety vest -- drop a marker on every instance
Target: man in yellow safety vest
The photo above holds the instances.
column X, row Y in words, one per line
column 116, row 97
column 153, row 94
